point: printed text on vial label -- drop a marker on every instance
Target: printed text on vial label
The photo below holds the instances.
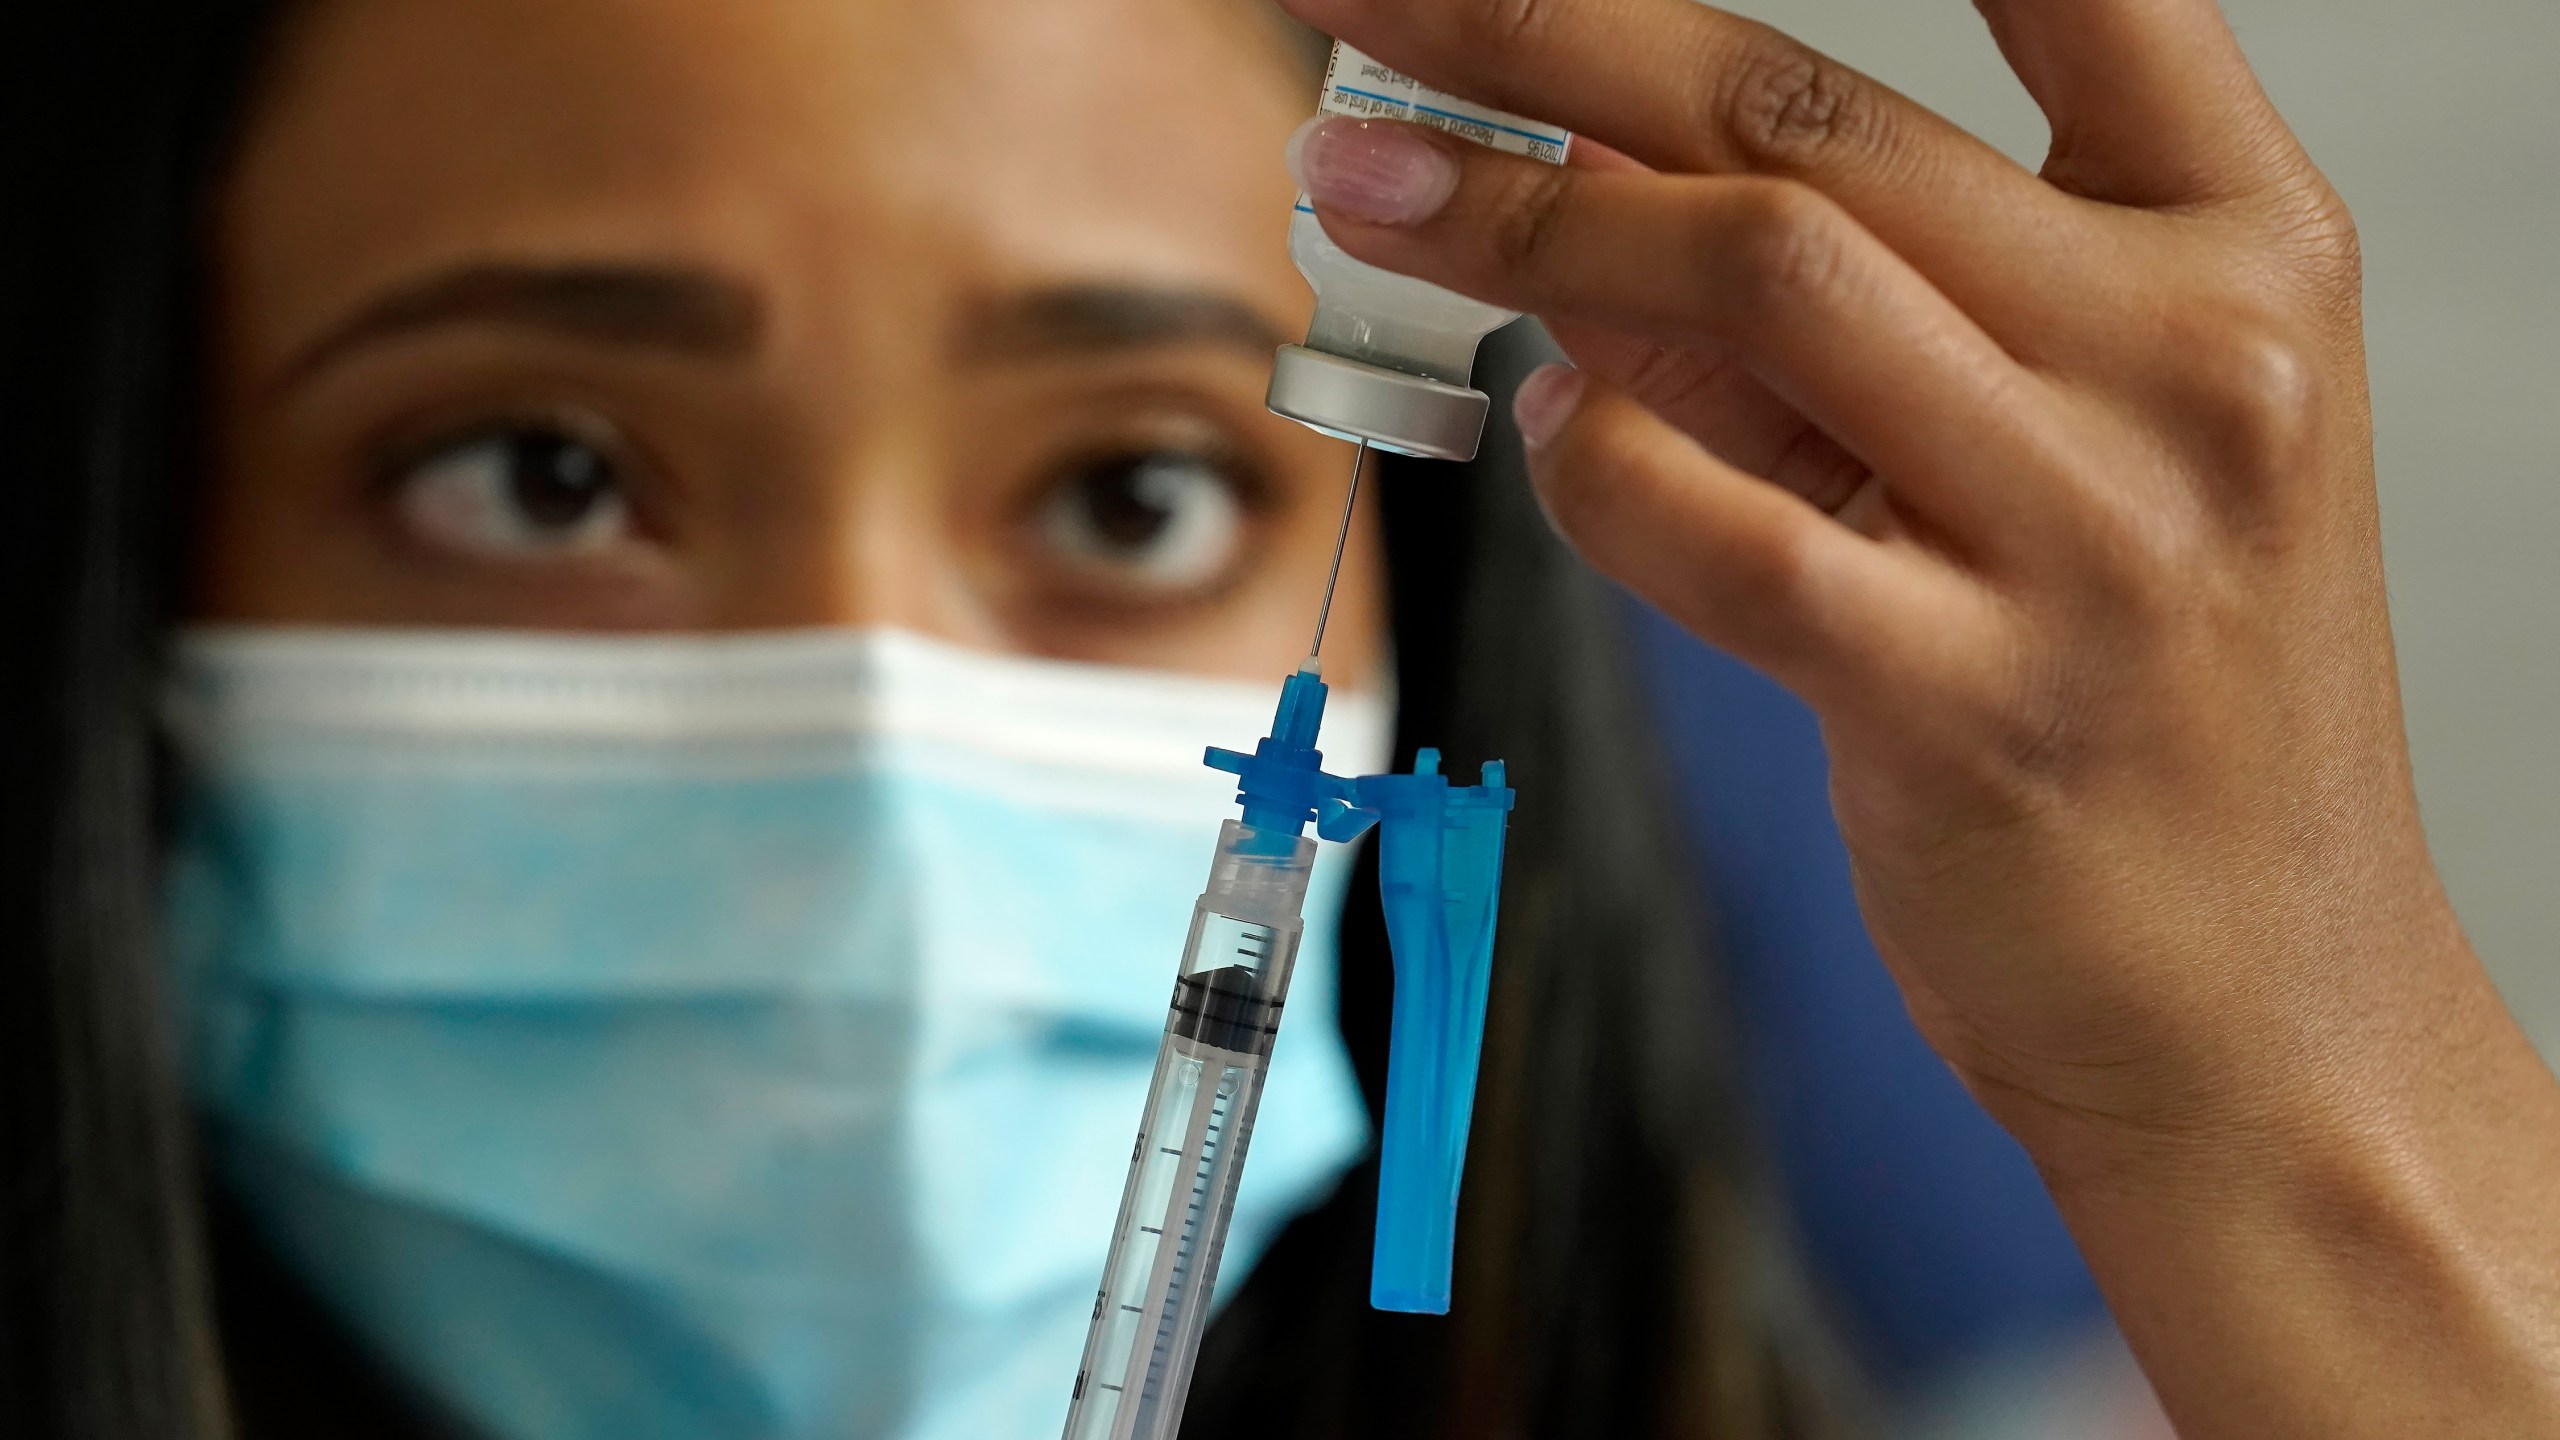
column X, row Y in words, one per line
column 1354, row 84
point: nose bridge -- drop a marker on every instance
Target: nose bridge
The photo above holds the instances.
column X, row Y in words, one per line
column 872, row 546
column 861, row 528
column 892, row 559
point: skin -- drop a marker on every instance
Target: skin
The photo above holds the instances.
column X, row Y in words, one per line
column 2053, row 494
column 647, row 315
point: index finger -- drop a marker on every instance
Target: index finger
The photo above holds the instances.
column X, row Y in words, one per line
column 1684, row 87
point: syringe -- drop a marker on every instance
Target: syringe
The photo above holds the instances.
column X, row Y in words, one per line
column 1227, row 996
column 1163, row 1264
column 1439, row 871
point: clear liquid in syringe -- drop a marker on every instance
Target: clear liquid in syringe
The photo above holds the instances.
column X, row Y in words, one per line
column 1163, row 1265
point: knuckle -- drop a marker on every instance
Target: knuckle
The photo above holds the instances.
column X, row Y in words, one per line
column 2041, row 739
column 2320, row 232
column 1819, row 469
column 2143, row 552
column 1779, row 246
column 2255, row 393
column 1768, row 598
column 1499, row 25
column 1784, row 578
column 1666, row 378
column 2137, row 546
column 1527, row 219
column 1681, row 384
column 2039, row 723
column 1786, row 105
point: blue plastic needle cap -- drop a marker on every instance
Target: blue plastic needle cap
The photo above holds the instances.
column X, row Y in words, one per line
column 1440, row 868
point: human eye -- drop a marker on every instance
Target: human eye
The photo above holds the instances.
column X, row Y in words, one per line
column 515, row 489
column 1148, row 522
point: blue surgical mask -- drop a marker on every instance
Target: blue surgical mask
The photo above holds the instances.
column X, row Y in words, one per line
column 708, row 1038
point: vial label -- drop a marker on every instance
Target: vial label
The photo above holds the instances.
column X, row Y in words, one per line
column 1354, row 84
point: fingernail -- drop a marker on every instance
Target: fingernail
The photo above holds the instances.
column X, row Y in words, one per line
column 1373, row 170
column 1545, row 401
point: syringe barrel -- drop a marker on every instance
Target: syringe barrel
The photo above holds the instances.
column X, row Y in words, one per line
column 1163, row 1267
column 1244, row 940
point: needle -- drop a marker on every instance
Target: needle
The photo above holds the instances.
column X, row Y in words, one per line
column 1340, row 539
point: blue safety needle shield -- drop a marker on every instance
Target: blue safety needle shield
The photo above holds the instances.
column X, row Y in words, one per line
column 1440, row 871
column 1440, row 877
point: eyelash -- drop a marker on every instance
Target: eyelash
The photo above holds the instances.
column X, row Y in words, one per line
column 392, row 460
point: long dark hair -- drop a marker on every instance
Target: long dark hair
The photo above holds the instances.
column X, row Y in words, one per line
column 1619, row 1272
column 115, row 112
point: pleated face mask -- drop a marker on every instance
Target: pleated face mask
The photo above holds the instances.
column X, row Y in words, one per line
column 737, row 1037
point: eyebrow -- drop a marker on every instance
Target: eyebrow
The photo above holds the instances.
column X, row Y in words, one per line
column 1071, row 320
column 672, row 308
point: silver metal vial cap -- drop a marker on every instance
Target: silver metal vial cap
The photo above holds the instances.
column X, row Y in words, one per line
column 1394, row 411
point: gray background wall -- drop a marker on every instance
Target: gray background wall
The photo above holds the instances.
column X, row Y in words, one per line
column 2440, row 122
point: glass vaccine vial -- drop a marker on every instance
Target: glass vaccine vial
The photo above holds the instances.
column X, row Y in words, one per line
column 1390, row 359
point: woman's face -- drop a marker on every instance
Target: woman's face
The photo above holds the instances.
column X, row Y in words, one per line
column 658, row 314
